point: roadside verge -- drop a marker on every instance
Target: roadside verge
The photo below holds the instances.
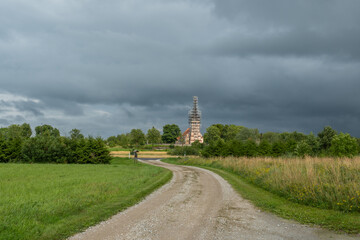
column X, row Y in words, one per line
column 330, row 219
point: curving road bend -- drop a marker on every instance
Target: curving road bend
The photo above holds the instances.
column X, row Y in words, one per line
column 199, row 204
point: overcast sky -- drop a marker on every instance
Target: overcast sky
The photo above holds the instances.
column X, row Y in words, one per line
column 106, row 67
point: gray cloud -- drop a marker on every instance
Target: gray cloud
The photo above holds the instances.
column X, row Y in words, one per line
column 340, row 45
column 27, row 106
column 108, row 66
column 4, row 122
column 296, row 28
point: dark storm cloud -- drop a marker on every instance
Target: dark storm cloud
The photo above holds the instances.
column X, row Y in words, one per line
column 340, row 45
column 293, row 28
column 108, row 66
column 306, row 99
column 307, row 55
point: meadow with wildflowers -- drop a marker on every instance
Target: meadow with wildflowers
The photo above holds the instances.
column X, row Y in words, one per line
column 327, row 183
column 321, row 191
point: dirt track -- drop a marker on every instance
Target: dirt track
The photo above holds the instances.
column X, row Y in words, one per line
column 198, row 204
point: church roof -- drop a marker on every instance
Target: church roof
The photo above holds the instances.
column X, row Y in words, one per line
column 184, row 134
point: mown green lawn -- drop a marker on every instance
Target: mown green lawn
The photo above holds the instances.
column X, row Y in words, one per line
column 54, row 201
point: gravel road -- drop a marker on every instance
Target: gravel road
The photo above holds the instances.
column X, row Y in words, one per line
column 199, row 204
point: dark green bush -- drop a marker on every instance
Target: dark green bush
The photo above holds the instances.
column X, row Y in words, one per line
column 48, row 146
column 184, row 151
column 343, row 145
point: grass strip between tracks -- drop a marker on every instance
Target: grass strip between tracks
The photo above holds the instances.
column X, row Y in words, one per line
column 265, row 200
column 55, row 201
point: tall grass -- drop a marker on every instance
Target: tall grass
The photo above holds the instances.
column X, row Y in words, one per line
column 321, row 182
column 54, row 201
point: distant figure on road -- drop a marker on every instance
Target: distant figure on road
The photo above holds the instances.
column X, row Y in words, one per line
column 135, row 156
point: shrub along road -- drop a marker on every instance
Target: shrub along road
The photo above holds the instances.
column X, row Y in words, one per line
column 198, row 204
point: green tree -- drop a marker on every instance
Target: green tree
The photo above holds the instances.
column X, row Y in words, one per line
column 298, row 136
column 112, row 141
column 248, row 134
column 278, row 148
column 47, row 130
column 250, row 148
column 314, row 144
column 220, row 127
column 271, row 137
column 214, row 149
column 12, row 141
column 3, row 147
column 293, row 136
column 78, row 150
column 197, row 145
column 26, row 131
column 75, row 134
column 284, row 136
column 302, row 149
column 326, row 136
column 170, row 133
column 124, row 139
column 137, row 137
column 235, row 148
column 212, row 134
column 153, row 135
column 14, row 146
column 12, row 131
column 290, row 145
column 96, row 150
column 221, row 148
column 264, row 148
column 229, row 132
column 343, row 145
column 45, row 148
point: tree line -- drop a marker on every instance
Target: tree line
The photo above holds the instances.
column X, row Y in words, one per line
column 231, row 140
column 18, row 145
column 137, row 137
column 47, row 146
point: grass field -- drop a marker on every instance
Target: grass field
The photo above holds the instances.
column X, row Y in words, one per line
column 119, row 149
column 143, row 148
column 49, row 201
column 142, row 154
column 317, row 191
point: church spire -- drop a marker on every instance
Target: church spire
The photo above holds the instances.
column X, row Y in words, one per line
column 194, row 121
column 194, row 113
